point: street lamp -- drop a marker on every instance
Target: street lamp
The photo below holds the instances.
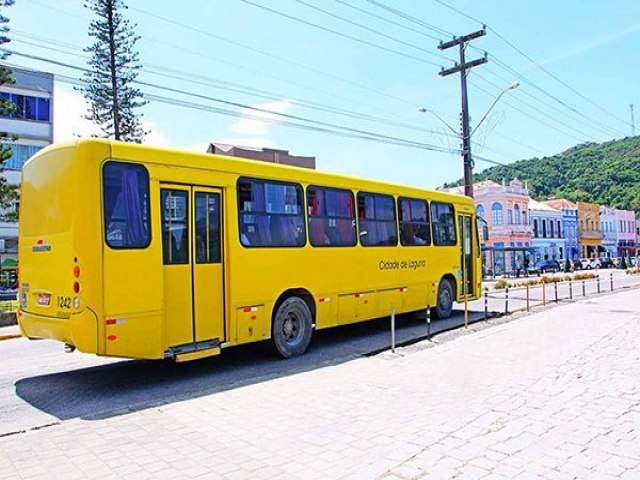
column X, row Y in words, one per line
column 466, row 140
column 513, row 86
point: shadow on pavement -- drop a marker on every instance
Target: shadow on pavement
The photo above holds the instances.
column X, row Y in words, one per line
column 124, row 386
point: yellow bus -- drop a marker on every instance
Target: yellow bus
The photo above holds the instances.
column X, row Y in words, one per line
column 133, row 251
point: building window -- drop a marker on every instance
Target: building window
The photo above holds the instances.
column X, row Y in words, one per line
column 535, row 227
column 496, row 214
column 509, row 217
column 559, row 230
column 544, row 228
column 377, row 220
column 27, row 107
column 516, row 214
column 19, row 155
column 551, row 229
column 480, row 211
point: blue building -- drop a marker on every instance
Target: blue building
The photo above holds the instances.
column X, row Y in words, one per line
column 548, row 235
column 32, row 124
column 569, row 226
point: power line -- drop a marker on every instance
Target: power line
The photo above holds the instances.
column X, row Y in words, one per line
column 316, row 125
column 534, row 62
column 406, row 16
column 171, row 73
column 380, row 17
column 341, row 34
column 384, row 35
column 527, row 114
column 602, row 128
column 246, row 90
column 506, row 67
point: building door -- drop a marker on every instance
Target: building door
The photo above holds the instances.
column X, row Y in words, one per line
column 192, row 259
column 466, row 253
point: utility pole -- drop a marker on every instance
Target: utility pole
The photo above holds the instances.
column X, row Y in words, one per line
column 633, row 123
column 463, row 67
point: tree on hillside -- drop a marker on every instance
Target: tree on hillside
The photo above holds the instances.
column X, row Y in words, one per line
column 8, row 192
column 114, row 102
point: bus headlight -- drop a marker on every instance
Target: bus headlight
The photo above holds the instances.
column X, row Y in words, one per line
column 76, row 302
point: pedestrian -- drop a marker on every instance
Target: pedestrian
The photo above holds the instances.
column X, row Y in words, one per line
column 526, row 266
column 518, row 267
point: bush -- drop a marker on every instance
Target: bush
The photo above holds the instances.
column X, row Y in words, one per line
column 584, row 276
column 502, row 284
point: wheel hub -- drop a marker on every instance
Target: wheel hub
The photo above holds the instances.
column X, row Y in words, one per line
column 291, row 327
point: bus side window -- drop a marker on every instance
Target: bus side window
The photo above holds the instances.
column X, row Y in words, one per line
column 271, row 214
column 413, row 215
column 444, row 224
column 377, row 220
column 331, row 217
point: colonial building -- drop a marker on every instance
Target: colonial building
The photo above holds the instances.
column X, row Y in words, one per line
column 609, row 226
column 569, row 226
column 590, row 232
column 32, row 124
column 548, row 238
column 619, row 231
column 505, row 208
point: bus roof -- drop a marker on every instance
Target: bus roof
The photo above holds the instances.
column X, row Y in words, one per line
column 249, row 167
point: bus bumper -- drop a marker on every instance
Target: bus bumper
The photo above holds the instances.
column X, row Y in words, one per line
column 79, row 330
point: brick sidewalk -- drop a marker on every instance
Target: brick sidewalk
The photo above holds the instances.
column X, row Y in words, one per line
column 552, row 395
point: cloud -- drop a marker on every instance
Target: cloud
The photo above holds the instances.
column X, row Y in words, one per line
column 251, row 124
column 69, row 108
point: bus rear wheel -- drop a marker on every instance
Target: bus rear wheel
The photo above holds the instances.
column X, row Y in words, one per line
column 292, row 326
column 444, row 304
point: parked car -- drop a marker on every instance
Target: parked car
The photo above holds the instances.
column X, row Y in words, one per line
column 590, row 263
column 544, row 266
column 606, row 262
column 576, row 264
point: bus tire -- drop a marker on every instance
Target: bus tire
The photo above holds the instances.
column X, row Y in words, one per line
column 444, row 303
column 292, row 327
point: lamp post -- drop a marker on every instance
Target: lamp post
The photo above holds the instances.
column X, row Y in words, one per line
column 466, row 135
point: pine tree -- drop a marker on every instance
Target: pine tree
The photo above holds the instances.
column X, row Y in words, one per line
column 8, row 192
column 113, row 100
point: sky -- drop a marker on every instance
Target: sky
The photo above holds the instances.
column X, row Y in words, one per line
column 368, row 71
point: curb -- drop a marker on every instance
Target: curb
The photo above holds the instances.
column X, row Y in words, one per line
column 9, row 336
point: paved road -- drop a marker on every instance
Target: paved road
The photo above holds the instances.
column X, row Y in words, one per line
column 40, row 384
column 550, row 395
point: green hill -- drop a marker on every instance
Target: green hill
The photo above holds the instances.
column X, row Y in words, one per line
column 606, row 173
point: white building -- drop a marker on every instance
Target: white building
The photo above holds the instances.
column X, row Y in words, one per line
column 32, row 124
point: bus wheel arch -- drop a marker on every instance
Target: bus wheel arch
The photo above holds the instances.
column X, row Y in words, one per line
column 292, row 322
column 446, row 295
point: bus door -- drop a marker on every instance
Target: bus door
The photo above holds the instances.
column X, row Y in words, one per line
column 192, row 264
column 465, row 227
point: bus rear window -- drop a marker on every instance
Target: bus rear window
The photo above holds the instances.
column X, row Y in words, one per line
column 126, row 205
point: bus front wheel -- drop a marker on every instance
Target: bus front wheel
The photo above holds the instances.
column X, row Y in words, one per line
column 444, row 304
column 292, row 325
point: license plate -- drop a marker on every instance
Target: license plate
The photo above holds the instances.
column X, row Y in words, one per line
column 44, row 299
